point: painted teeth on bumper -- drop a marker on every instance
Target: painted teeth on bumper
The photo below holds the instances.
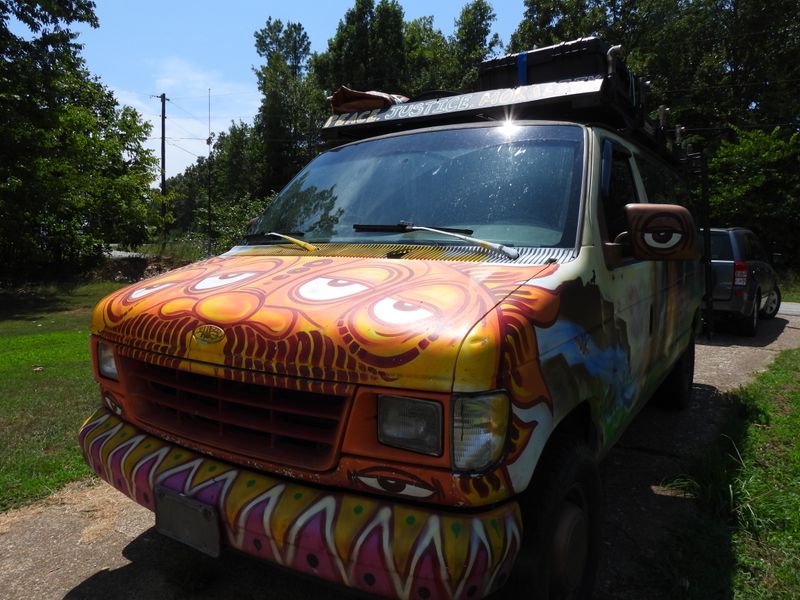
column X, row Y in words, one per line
column 378, row 546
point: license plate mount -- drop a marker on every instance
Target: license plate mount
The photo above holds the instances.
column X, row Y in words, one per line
column 187, row 520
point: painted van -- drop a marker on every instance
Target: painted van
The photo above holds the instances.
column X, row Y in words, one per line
column 401, row 381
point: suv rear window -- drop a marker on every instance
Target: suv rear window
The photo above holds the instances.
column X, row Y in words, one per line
column 721, row 246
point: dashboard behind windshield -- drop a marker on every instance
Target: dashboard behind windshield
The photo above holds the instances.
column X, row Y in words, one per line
column 517, row 185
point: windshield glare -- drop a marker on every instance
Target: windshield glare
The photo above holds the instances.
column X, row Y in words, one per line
column 515, row 185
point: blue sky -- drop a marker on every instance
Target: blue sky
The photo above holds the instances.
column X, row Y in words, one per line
column 145, row 47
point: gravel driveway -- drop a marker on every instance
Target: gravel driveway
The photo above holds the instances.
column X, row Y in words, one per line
column 90, row 541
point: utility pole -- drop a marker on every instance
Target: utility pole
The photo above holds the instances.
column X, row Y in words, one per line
column 208, row 195
column 163, row 169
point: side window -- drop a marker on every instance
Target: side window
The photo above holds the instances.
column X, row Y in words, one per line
column 745, row 247
column 721, row 246
column 653, row 180
column 621, row 192
column 662, row 184
column 758, row 250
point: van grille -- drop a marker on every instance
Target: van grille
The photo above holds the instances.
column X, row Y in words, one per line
column 255, row 422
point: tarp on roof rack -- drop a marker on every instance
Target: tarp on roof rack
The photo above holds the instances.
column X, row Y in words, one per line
column 345, row 100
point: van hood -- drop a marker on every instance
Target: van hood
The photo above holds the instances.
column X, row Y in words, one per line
column 395, row 323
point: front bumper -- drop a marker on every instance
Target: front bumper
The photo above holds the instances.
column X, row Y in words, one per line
column 378, row 546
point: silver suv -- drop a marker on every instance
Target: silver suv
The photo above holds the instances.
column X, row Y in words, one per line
column 745, row 285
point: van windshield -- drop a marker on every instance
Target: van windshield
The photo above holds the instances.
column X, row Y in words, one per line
column 517, row 185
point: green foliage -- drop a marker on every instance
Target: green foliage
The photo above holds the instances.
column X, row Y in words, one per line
column 74, row 175
column 756, row 181
column 346, row 62
column 472, row 42
column 426, row 57
column 292, row 108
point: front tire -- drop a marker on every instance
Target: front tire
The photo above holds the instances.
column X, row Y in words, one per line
column 772, row 304
column 558, row 558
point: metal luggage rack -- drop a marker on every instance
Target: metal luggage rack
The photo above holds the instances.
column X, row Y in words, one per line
column 583, row 81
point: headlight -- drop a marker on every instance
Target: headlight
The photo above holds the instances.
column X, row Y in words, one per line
column 106, row 363
column 480, row 424
column 410, row 423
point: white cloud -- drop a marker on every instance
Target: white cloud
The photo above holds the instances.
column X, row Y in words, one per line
column 187, row 124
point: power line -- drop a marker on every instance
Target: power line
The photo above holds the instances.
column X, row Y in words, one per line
column 158, row 137
column 179, row 107
column 182, row 128
column 174, row 145
column 220, row 95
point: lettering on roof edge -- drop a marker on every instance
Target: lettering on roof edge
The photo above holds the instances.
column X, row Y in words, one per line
column 476, row 100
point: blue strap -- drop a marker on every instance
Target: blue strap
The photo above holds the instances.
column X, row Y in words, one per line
column 522, row 68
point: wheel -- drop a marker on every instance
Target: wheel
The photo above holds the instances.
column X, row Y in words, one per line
column 675, row 391
column 749, row 324
column 561, row 516
column 772, row 304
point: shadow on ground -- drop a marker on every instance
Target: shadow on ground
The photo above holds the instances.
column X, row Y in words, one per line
column 669, row 524
column 726, row 333
column 162, row 568
column 658, row 542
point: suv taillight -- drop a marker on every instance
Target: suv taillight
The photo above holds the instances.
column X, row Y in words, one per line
column 740, row 271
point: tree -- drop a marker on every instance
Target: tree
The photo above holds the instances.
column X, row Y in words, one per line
column 346, row 62
column 427, row 57
column 292, row 108
column 549, row 22
column 74, row 175
column 471, row 43
column 387, row 54
column 756, row 182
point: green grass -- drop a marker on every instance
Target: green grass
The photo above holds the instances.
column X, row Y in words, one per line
column 767, row 487
column 745, row 541
column 46, row 387
column 790, row 286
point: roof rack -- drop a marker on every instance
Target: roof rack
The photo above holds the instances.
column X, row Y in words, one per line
column 584, row 80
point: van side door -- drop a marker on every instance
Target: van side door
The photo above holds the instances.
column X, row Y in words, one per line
column 628, row 284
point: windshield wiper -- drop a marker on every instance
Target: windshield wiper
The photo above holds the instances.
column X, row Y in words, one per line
column 301, row 243
column 405, row 226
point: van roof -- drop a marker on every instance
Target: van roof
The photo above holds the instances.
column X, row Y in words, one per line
column 583, row 81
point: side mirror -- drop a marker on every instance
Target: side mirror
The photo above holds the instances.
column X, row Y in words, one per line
column 661, row 232
column 778, row 260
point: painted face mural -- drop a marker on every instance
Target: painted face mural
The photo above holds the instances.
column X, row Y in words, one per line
column 352, row 320
column 322, row 322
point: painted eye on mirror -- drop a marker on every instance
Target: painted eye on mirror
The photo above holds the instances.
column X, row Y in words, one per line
column 325, row 288
column 662, row 239
column 399, row 312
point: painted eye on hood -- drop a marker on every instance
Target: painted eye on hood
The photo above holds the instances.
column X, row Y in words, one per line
column 399, row 312
column 217, row 281
column 146, row 291
column 324, row 288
